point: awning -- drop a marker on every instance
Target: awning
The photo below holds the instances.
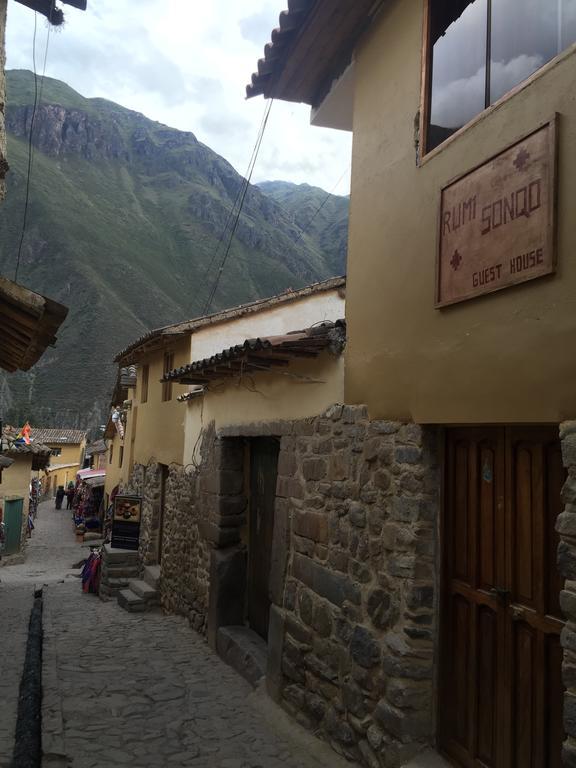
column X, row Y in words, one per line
column 28, row 325
column 84, row 474
column 95, row 482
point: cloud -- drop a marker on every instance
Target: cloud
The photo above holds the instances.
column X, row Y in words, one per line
column 457, row 102
column 186, row 65
column 256, row 28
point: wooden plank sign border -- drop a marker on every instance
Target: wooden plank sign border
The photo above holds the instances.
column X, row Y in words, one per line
column 497, row 222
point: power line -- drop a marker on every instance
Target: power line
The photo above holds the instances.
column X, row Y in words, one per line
column 29, row 172
column 244, row 191
column 320, row 207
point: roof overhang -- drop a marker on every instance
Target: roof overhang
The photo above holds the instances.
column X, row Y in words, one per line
column 5, row 462
column 48, row 8
column 312, row 46
column 28, row 325
column 262, row 354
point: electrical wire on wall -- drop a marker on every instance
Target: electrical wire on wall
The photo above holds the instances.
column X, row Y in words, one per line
column 243, row 193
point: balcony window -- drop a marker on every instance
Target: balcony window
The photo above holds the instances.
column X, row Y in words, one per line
column 481, row 50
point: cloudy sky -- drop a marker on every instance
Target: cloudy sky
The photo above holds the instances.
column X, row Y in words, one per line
column 186, row 64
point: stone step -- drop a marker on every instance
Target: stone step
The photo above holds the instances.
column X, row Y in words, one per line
column 131, row 602
column 152, row 575
column 117, row 583
column 144, row 590
column 244, row 651
column 120, row 571
column 120, row 556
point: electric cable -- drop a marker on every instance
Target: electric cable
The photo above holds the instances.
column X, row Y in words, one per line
column 29, row 172
column 245, row 187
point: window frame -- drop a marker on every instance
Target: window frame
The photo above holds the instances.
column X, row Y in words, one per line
column 168, row 365
column 144, row 383
column 121, row 457
column 424, row 154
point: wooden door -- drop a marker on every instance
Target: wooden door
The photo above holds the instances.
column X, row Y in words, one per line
column 500, row 681
column 13, row 511
column 263, row 474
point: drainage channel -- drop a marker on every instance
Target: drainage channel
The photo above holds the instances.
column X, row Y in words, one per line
column 28, row 741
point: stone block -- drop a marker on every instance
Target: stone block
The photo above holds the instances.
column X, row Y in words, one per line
column 566, row 524
column 382, row 480
column 381, row 610
column 230, row 482
column 334, row 587
column 568, row 604
column 408, row 694
column 314, row 469
column 279, row 553
column 570, row 714
column 276, row 633
column 229, row 454
column 353, row 698
column 322, row 620
column 384, row 427
column 304, row 546
column 230, row 505
column 420, row 596
column 365, row 650
column 311, row 525
column 244, row 651
column 405, row 509
column 569, row 490
column 305, row 428
column 566, row 559
column 339, row 467
column 357, row 515
column 219, row 537
column 404, row 724
column 569, row 449
column 227, row 589
column 287, row 464
column 305, row 606
column 289, row 487
column 298, row 631
column 569, row 754
column 412, row 669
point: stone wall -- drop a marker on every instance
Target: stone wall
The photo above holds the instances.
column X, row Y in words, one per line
column 352, row 633
column 566, row 527
column 146, row 481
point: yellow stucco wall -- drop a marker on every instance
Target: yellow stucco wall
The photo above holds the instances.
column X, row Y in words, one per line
column 156, row 428
column 61, row 476
column 266, row 396
column 507, row 357
column 16, row 480
column 115, row 474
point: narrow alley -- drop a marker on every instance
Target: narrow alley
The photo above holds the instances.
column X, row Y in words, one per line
column 126, row 689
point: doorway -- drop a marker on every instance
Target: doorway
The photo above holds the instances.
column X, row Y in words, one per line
column 263, row 472
column 500, row 702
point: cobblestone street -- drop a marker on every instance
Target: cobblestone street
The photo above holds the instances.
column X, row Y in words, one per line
column 125, row 689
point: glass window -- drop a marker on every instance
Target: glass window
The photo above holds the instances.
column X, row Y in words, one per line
column 145, row 377
column 481, row 49
column 458, row 72
column 167, row 385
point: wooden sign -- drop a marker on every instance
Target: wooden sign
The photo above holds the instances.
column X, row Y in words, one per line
column 126, row 522
column 497, row 221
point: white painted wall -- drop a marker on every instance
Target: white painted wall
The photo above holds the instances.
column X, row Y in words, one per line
column 282, row 318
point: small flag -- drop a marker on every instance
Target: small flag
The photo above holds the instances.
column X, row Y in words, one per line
column 23, row 436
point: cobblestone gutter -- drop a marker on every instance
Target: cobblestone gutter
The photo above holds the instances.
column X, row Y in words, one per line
column 28, row 740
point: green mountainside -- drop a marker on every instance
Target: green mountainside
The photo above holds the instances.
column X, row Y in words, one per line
column 124, row 219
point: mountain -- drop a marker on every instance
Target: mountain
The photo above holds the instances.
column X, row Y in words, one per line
column 322, row 216
column 124, row 220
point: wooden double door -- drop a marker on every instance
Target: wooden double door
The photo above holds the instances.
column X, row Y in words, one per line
column 501, row 692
